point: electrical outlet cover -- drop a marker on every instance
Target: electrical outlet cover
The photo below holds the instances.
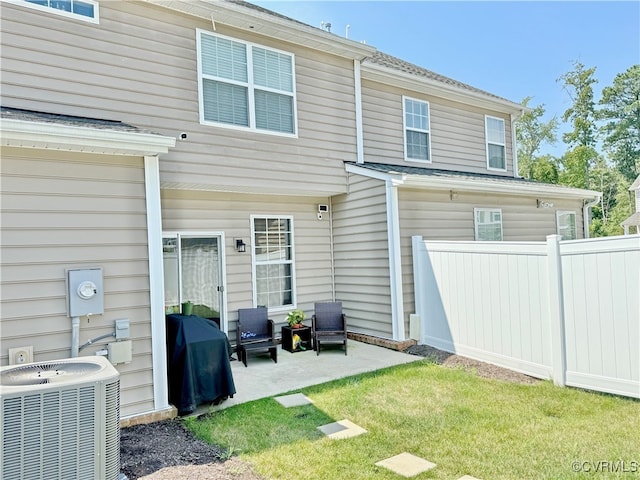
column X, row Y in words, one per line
column 21, row 355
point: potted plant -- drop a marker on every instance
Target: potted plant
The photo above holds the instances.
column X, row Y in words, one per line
column 295, row 318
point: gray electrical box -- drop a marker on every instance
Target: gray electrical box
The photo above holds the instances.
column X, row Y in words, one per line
column 85, row 292
column 122, row 329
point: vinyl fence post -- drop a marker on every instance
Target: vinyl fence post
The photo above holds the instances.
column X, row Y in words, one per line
column 419, row 287
column 556, row 311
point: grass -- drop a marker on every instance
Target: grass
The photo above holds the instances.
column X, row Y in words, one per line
column 465, row 424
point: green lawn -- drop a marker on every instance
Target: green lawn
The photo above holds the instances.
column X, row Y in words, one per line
column 489, row 429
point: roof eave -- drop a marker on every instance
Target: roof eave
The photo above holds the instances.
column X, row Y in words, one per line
column 262, row 23
column 475, row 185
column 46, row 135
column 393, row 77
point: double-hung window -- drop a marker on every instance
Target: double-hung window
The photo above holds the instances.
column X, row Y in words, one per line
column 566, row 225
column 80, row 9
column 273, row 262
column 488, row 224
column 244, row 85
column 417, row 144
column 496, row 146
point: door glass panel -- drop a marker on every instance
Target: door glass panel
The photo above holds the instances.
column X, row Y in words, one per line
column 200, row 275
column 171, row 279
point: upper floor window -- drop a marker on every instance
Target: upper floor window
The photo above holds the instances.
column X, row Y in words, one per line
column 244, row 85
column 417, row 144
column 496, row 146
column 80, row 9
column 488, row 224
column 273, row 262
column 567, row 225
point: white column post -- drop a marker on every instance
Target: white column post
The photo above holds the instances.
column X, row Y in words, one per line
column 556, row 310
column 156, row 282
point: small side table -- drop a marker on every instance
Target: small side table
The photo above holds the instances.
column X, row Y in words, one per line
column 287, row 338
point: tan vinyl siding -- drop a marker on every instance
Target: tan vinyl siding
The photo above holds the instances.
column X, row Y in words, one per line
column 457, row 131
column 361, row 252
column 435, row 216
column 66, row 210
column 139, row 65
column 231, row 213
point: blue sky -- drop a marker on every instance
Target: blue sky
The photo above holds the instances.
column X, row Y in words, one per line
column 513, row 49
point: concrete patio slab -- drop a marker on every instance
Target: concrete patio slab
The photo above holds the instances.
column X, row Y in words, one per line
column 263, row 378
column 468, row 477
column 293, row 400
column 406, row 464
column 342, row 429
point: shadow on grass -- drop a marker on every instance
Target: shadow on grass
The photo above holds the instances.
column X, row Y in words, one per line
column 259, row 425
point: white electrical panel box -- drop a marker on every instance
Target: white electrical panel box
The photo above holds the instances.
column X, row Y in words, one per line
column 120, row 352
column 85, row 293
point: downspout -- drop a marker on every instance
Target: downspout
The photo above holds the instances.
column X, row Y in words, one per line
column 514, row 144
column 358, row 94
column 395, row 261
column 156, row 282
column 586, row 214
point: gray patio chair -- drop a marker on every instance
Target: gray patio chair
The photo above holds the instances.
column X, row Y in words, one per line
column 328, row 325
column 255, row 332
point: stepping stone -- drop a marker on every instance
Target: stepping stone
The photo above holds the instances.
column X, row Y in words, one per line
column 341, row 429
column 468, row 477
column 294, row 400
column 406, row 464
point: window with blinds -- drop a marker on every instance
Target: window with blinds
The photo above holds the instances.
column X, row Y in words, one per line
column 245, row 85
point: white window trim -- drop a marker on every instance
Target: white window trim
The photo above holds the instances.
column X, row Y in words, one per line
column 251, row 87
column 475, row 222
column 404, row 130
column 560, row 213
column 487, row 142
column 63, row 13
column 294, row 296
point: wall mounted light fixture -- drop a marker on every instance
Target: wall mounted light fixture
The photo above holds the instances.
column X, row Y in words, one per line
column 241, row 246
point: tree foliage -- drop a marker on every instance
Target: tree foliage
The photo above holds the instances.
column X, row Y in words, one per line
column 578, row 83
column 621, row 111
column 531, row 134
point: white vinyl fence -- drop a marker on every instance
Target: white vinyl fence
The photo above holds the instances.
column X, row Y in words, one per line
column 567, row 310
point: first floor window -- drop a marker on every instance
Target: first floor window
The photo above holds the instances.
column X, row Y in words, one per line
column 496, row 145
column 273, row 261
column 488, row 224
column 567, row 225
column 416, row 130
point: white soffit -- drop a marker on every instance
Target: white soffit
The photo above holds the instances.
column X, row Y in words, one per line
column 46, row 135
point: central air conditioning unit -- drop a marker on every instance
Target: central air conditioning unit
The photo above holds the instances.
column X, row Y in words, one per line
column 60, row 420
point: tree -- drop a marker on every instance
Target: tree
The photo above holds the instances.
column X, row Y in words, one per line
column 621, row 111
column 531, row 133
column 582, row 114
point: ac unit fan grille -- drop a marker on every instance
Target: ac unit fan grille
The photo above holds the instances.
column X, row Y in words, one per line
column 61, row 434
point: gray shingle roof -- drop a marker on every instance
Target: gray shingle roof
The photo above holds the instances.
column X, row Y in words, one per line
column 69, row 120
column 394, row 63
column 452, row 174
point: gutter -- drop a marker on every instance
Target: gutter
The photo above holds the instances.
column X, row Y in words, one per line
column 585, row 214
